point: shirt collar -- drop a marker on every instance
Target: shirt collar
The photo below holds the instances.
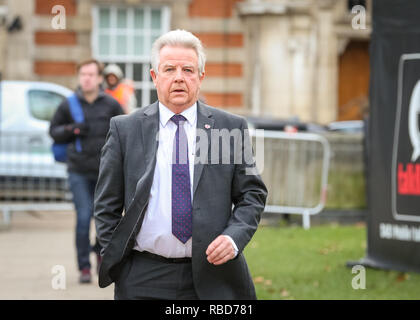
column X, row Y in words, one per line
column 165, row 114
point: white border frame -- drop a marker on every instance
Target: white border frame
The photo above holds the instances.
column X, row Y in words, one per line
column 395, row 214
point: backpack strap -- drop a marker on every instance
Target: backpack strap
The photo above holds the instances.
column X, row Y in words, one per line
column 77, row 114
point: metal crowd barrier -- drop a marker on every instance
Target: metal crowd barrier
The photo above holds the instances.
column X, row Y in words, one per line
column 30, row 179
column 295, row 171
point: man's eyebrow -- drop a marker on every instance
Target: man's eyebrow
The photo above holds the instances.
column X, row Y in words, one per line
column 171, row 65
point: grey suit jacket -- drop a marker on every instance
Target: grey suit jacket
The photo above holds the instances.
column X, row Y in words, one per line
column 226, row 200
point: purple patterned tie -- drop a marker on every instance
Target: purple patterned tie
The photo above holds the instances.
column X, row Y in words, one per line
column 181, row 192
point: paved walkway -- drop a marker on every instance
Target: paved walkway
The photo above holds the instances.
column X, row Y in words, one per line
column 35, row 243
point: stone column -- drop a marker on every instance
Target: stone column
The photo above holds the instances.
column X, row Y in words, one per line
column 268, row 67
column 3, row 47
column 3, row 36
column 19, row 56
column 292, row 52
column 326, row 88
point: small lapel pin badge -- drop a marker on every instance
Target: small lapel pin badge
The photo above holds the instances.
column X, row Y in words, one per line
column 207, row 126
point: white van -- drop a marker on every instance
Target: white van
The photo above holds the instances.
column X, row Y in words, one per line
column 25, row 144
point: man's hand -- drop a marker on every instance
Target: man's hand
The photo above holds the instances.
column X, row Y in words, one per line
column 78, row 129
column 220, row 250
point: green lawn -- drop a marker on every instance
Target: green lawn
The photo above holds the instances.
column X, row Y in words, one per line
column 293, row 263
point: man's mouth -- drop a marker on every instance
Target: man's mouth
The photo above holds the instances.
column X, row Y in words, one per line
column 178, row 90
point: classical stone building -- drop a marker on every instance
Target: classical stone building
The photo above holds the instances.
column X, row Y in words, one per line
column 279, row 58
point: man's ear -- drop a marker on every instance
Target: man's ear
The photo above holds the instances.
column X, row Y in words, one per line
column 153, row 75
column 201, row 77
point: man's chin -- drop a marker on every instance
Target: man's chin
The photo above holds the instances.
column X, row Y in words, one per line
column 179, row 102
column 88, row 90
column 179, row 105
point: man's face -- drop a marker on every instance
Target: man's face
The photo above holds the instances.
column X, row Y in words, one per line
column 89, row 78
column 178, row 81
column 111, row 79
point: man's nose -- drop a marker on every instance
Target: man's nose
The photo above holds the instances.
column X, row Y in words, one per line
column 178, row 75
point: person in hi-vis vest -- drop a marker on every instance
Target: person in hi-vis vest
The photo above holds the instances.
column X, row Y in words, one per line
column 120, row 89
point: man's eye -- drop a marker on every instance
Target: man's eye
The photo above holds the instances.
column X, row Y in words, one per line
column 189, row 70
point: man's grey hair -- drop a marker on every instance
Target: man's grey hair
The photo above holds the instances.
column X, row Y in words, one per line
column 178, row 38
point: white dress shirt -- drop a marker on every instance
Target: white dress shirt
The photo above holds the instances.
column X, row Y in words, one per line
column 155, row 235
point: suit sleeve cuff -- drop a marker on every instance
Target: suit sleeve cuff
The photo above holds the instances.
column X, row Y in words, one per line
column 233, row 244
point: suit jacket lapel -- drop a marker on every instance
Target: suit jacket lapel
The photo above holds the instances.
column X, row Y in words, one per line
column 150, row 129
column 149, row 123
column 204, row 122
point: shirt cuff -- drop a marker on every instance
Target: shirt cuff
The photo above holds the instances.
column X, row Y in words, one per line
column 233, row 244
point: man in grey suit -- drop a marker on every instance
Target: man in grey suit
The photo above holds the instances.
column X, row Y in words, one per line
column 190, row 207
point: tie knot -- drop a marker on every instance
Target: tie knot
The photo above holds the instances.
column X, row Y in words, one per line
column 177, row 118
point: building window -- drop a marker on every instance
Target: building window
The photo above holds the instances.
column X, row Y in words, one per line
column 124, row 35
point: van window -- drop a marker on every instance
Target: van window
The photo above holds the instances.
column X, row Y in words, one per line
column 42, row 103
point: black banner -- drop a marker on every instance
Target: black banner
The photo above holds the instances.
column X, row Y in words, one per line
column 393, row 239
